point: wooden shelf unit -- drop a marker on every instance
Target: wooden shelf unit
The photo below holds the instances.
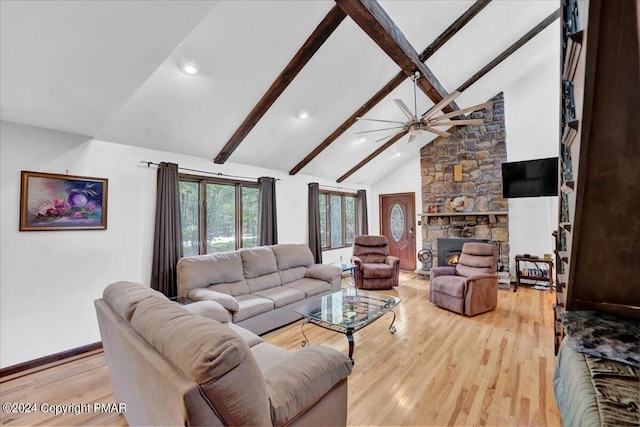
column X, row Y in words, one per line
column 596, row 248
column 521, row 273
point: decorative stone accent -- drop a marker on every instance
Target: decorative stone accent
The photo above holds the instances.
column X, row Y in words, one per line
column 480, row 150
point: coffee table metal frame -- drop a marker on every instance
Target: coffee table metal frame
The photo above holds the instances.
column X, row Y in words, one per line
column 347, row 311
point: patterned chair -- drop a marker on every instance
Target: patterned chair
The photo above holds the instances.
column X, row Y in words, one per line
column 471, row 287
column 376, row 268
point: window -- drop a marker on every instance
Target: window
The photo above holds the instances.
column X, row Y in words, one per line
column 337, row 219
column 217, row 215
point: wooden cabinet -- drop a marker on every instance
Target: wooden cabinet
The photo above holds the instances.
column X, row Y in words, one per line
column 598, row 235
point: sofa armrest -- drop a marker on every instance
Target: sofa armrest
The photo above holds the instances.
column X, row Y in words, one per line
column 392, row 261
column 323, row 272
column 442, row 271
column 297, row 382
column 225, row 300
column 210, row 309
column 357, row 261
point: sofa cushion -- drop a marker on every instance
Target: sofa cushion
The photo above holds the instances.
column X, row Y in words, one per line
column 297, row 382
column 204, row 294
column 251, row 305
column 210, row 354
column 234, row 288
column 125, row 296
column 209, row 309
column 267, row 354
column 292, row 274
column 260, row 268
column 310, row 287
column 292, row 255
column 324, row 272
column 281, row 295
column 249, row 337
column 377, row 271
column 204, row 270
column 449, row 285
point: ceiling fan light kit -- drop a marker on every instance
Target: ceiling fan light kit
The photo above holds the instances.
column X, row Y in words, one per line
column 416, row 124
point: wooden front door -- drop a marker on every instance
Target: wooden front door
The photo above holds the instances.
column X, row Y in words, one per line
column 397, row 223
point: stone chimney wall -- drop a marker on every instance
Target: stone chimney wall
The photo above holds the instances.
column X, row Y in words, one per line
column 480, row 150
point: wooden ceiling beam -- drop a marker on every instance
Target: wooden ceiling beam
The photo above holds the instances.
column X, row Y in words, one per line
column 507, row 52
column 374, row 21
column 322, row 32
column 476, row 76
column 393, row 83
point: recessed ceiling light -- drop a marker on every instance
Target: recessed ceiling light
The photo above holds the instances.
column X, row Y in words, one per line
column 189, row 67
column 302, row 114
column 398, row 154
column 362, row 139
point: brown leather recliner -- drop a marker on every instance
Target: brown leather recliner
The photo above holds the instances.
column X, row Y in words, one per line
column 376, row 268
column 471, row 287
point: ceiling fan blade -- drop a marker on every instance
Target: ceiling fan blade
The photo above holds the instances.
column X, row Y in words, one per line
column 379, row 120
column 378, row 130
column 387, row 137
column 465, row 110
column 400, row 103
column 435, row 122
column 438, row 132
column 412, row 137
column 440, row 105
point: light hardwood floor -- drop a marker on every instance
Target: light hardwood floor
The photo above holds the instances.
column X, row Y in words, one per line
column 439, row 368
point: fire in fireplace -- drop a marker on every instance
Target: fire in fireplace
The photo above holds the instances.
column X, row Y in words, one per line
column 453, row 259
column 449, row 250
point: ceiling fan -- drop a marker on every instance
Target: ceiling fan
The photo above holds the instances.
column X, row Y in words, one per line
column 415, row 124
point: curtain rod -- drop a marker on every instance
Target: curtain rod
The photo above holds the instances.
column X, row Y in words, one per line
column 206, row 172
column 337, row 188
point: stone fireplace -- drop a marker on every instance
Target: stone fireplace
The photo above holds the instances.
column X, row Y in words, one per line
column 480, row 150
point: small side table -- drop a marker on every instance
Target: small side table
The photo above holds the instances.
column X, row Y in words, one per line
column 351, row 268
column 532, row 274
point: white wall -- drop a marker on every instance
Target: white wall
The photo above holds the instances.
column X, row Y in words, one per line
column 532, row 113
column 49, row 280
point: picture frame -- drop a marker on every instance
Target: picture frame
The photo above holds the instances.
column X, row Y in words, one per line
column 55, row 202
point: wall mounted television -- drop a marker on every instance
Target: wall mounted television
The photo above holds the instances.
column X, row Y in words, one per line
column 530, row 178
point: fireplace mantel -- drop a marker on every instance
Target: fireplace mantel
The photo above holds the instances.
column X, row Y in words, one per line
column 474, row 213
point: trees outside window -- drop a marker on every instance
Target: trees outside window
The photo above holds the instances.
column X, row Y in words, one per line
column 217, row 215
column 337, row 219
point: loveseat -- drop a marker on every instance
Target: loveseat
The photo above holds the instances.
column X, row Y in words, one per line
column 260, row 287
column 180, row 365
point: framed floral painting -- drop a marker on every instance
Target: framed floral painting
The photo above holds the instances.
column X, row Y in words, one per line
column 51, row 202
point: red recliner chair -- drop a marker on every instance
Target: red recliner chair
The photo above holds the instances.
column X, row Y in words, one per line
column 376, row 268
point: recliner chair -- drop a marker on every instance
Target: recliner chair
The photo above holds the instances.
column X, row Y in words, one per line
column 471, row 287
column 376, row 268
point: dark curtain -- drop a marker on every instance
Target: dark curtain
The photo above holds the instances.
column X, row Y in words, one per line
column 267, row 218
column 315, row 244
column 167, row 242
column 363, row 217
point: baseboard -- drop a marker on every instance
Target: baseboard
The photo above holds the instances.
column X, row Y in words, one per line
column 46, row 360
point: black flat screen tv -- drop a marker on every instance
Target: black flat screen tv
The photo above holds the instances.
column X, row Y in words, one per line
column 530, row 178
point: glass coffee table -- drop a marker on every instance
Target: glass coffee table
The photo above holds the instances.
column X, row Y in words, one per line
column 348, row 311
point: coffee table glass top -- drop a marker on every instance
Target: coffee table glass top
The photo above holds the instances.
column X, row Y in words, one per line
column 348, row 309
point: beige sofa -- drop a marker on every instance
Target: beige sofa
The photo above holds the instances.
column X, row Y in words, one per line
column 260, row 287
column 179, row 365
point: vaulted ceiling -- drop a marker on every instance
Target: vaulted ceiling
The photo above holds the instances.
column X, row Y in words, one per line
column 109, row 70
